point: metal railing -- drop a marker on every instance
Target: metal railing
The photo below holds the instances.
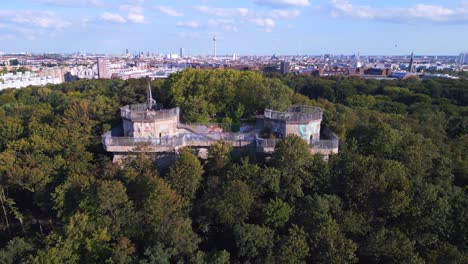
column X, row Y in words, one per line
column 127, row 113
column 177, row 141
column 218, row 127
column 325, row 144
column 304, row 109
column 266, row 143
column 195, row 139
column 319, row 144
column 294, row 116
column 229, row 137
column 134, row 142
column 143, row 107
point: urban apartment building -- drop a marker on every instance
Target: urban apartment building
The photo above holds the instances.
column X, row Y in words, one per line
column 151, row 129
column 103, row 66
column 463, row 58
column 21, row 80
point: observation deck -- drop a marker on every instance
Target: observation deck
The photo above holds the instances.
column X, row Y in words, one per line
column 296, row 114
column 151, row 128
column 144, row 112
column 328, row 144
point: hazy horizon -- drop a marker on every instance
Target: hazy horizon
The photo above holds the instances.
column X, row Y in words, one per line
column 262, row 27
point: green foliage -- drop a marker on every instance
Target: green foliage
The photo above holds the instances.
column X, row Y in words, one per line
column 227, row 93
column 254, row 242
column 234, row 203
column 329, row 245
column 395, row 193
column 17, row 251
column 276, row 213
column 294, row 248
column 292, row 157
column 185, row 175
column 388, row 246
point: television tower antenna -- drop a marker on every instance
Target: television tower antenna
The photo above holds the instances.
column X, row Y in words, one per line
column 149, row 95
column 410, row 70
column 214, row 46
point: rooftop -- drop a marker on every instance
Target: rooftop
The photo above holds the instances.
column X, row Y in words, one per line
column 296, row 113
column 147, row 112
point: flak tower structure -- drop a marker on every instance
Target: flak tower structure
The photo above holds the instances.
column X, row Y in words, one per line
column 150, row 128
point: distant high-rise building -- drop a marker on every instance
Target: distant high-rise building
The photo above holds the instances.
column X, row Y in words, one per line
column 410, row 67
column 357, row 61
column 234, row 56
column 103, row 68
column 463, row 58
column 285, row 67
column 214, row 46
column 181, row 52
column 126, row 51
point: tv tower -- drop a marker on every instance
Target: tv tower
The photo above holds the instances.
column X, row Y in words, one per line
column 150, row 102
column 410, row 68
column 214, row 46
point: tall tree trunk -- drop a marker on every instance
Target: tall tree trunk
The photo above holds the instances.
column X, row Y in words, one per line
column 3, row 201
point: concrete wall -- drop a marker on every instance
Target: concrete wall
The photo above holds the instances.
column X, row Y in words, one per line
column 155, row 129
column 305, row 131
column 276, row 126
column 127, row 128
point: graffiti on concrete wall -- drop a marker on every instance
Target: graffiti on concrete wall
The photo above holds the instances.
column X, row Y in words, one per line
column 309, row 130
column 150, row 130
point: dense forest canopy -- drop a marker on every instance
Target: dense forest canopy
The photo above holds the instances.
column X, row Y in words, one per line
column 396, row 192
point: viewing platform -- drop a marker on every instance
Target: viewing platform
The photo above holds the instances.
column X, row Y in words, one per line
column 327, row 145
column 296, row 114
column 143, row 112
column 151, row 128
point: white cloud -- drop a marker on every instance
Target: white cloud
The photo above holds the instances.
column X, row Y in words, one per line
column 267, row 23
column 137, row 18
column 231, row 18
column 264, row 22
column 283, row 3
column 279, row 13
column 40, row 19
column 31, row 24
column 134, row 10
column 113, row 18
column 226, row 24
column 73, row 3
column 189, row 35
column 7, row 37
column 222, row 12
column 189, row 24
column 131, row 9
column 417, row 13
column 168, row 11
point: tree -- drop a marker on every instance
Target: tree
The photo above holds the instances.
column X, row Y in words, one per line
column 294, row 248
column 233, row 203
column 278, row 96
column 164, row 220
column 185, row 175
column 292, row 157
column 276, row 213
column 111, row 207
column 329, row 245
column 219, row 157
column 18, row 250
column 82, row 241
column 254, row 242
column 389, row 246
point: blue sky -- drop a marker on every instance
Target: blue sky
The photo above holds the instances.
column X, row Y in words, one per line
column 260, row 27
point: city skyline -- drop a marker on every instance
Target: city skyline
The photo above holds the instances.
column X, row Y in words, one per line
column 261, row 27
